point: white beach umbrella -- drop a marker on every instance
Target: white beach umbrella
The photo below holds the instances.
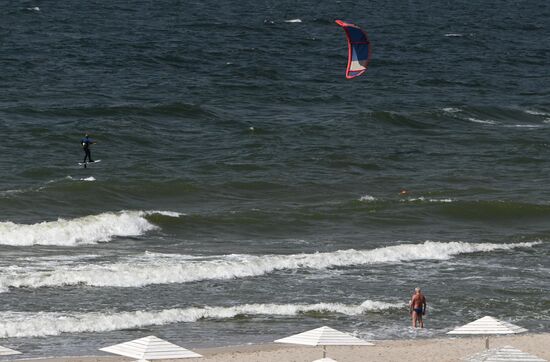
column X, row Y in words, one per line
column 326, row 359
column 324, row 336
column 487, row 326
column 7, row 351
column 150, row 348
column 504, row 354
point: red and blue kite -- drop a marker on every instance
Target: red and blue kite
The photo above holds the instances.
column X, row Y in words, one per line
column 358, row 49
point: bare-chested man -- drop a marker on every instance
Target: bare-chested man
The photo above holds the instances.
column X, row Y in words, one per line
column 417, row 307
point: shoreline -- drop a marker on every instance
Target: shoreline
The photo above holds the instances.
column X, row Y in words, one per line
column 431, row 349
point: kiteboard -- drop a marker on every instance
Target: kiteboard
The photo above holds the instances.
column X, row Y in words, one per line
column 85, row 164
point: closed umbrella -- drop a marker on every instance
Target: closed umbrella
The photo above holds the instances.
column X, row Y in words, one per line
column 504, row 354
column 150, row 348
column 487, row 326
column 324, row 336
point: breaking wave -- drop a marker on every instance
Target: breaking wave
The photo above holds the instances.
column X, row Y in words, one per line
column 17, row 324
column 153, row 268
column 84, row 230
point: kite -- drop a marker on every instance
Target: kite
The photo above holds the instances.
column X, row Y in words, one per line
column 358, row 49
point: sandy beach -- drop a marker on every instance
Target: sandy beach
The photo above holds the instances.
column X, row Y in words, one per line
column 436, row 350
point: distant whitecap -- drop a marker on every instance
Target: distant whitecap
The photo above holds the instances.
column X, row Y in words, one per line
column 527, row 126
column 367, row 198
column 482, row 121
column 454, row 35
column 451, row 110
column 537, row 113
column 164, row 213
column 424, row 199
column 293, row 21
column 7, row 193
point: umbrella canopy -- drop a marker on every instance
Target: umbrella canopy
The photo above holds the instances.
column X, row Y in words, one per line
column 326, row 359
column 324, row 336
column 7, row 351
column 488, row 326
column 150, row 348
column 504, row 354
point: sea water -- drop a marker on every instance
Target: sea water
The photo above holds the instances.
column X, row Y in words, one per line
column 248, row 191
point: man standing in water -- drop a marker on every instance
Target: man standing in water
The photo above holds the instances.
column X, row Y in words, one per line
column 86, row 142
column 417, row 307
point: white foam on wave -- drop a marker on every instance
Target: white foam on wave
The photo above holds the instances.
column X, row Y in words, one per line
column 57, row 258
column 164, row 213
column 7, row 193
column 45, row 185
column 137, row 271
column 537, row 113
column 476, row 120
column 90, row 178
column 293, row 21
column 527, row 126
column 454, row 35
column 17, row 324
column 424, row 199
column 84, row 230
column 451, row 110
column 367, row 198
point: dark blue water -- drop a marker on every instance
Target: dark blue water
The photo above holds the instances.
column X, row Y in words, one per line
column 247, row 190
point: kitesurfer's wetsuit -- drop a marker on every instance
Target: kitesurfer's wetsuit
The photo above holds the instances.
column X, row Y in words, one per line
column 86, row 142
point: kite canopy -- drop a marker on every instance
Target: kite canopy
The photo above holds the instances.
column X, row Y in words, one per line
column 358, row 49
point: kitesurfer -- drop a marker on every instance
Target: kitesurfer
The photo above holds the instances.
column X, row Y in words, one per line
column 85, row 143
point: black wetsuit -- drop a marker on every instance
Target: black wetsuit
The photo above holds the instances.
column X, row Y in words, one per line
column 86, row 142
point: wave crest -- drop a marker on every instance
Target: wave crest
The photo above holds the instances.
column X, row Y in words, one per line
column 84, row 230
column 17, row 324
column 153, row 268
